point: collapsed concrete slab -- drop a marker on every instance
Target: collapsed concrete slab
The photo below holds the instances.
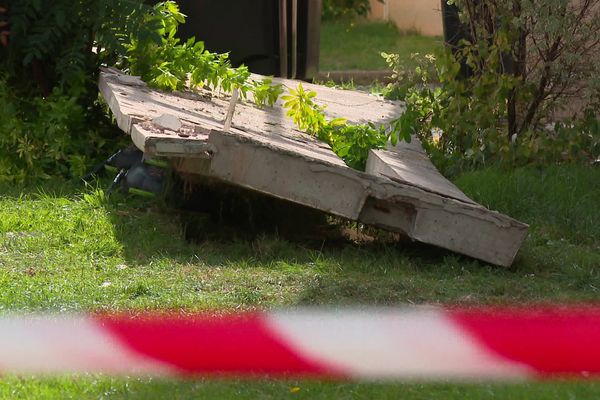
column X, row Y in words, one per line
column 400, row 191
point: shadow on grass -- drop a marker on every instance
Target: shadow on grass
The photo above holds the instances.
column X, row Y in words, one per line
column 325, row 265
column 263, row 252
column 334, row 270
column 240, row 230
column 243, row 250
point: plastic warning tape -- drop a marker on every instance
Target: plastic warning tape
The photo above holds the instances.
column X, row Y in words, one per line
column 419, row 343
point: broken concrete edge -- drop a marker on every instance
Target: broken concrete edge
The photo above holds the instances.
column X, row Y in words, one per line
column 461, row 227
column 280, row 144
column 124, row 121
column 169, row 146
column 286, row 174
column 384, row 163
column 371, row 179
column 168, row 121
column 442, row 228
column 497, row 242
column 400, row 190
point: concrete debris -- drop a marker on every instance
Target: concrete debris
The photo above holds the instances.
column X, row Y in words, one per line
column 400, row 191
column 168, row 121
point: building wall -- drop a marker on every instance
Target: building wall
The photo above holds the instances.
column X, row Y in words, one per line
column 423, row 16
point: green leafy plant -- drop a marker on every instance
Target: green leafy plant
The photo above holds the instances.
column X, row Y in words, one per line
column 51, row 43
column 403, row 77
column 56, row 135
column 353, row 142
column 307, row 115
column 51, row 122
column 170, row 64
column 350, row 142
column 523, row 66
column 459, row 122
column 265, row 92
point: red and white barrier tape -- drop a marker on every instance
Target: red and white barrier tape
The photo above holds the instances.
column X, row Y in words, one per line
column 421, row 343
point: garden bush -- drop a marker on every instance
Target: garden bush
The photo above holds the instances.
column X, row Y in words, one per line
column 527, row 60
column 52, row 122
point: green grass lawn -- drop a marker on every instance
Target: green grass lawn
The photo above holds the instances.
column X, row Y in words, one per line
column 70, row 249
column 349, row 45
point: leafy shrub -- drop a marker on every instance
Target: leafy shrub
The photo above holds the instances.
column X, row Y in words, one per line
column 350, row 142
column 403, row 77
column 55, row 135
column 166, row 63
column 526, row 60
column 169, row 63
column 52, row 123
column 55, row 124
column 51, row 43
